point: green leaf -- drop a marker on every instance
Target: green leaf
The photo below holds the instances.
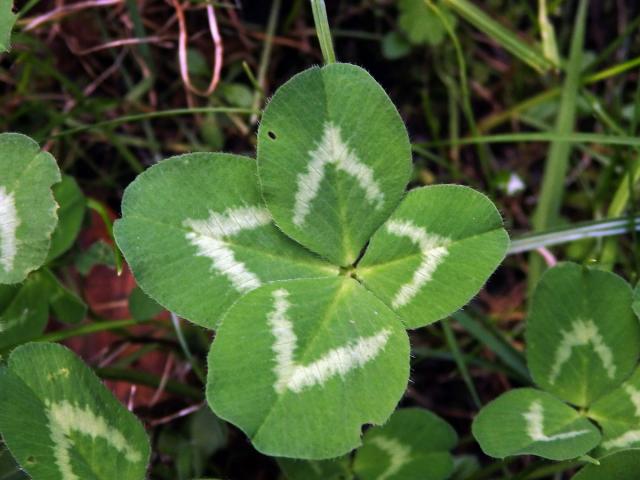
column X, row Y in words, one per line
column 7, row 292
column 326, row 357
column 65, row 304
column 334, row 469
column 395, row 46
column 420, row 22
column 61, row 423
column 70, row 215
column 24, row 310
column 334, row 158
column 636, row 300
column 527, row 421
column 208, row 433
column 623, row 465
column 413, row 445
column 197, row 235
column 142, row 306
column 7, row 20
column 618, row 414
column 582, row 336
column 99, row 253
column 27, row 207
column 236, row 94
column 434, row 253
column 191, row 446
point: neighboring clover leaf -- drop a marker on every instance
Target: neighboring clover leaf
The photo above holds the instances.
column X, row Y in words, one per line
column 413, row 445
column 395, row 46
column 334, row 469
column 25, row 307
column 434, row 253
column 24, row 310
column 197, row 235
column 309, row 351
column 70, row 215
column 623, row 465
column 191, row 445
column 528, row 421
column 636, row 300
column 618, row 414
column 421, row 23
column 61, row 423
column 582, row 336
column 582, row 342
column 7, row 20
column 334, row 159
column 65, row 305
column 27, row 207
column 326, row 357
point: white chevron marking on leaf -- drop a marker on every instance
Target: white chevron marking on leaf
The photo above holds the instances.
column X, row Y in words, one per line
column 625, row 440
column 582, row 334
column 399, row 454
column 338, row 361
column 332, row 150
column 634, row 396
column 210, row 237
column 631, row 437
column 65, row 418
column 9, row 223
column 535, row 425
column 434, row 249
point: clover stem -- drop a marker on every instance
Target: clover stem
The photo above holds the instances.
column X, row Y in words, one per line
column 322, row 29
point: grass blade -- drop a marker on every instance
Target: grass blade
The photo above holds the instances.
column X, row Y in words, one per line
column 505, row 37
column 558, row 160
column 580, row 231
column 324, row 33
column 548, row 34
column 505, row 352
column 460, row 362
column 576, row 137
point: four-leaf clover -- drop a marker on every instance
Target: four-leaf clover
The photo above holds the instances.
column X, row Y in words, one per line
column 311, row 264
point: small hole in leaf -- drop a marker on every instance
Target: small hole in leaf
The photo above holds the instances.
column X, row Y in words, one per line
column 272, row 135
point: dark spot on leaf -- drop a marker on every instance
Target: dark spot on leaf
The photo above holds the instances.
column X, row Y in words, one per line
column 31, row 460
column 272, row 135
